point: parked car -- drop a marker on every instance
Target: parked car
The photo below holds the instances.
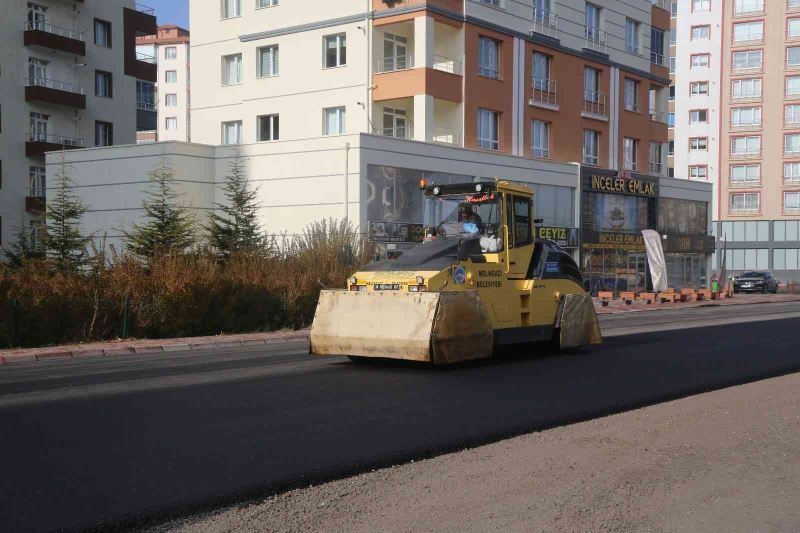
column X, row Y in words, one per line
column 756, row 281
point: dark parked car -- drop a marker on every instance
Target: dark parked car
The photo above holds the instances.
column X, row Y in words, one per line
column 763, row 282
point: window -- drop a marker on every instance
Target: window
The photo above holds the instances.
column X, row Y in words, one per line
column 591, row 84
column 591, row 147
column 747, row 6
column 268, row 128
column 698, row 172
column 698, row 143
column 793, row 28
column 671, row 119
column 672, row 64
column 749, row 88
column 701, row 32
column 37, row 15
column 102, row 33
column 268, row 61
column 395, row 53
column 171, row 100
column 791, row 200
column 745, row 174
column 793, row 57
column 786, row 230
column 522, row 221
column 170, row 52
column 488, row 129
column 700, row 60
column 103, row 86
column 103, row 133
column 334, row 121
column 541, row 138
column 171, row 76
column 232, row 132
column 488, row 57
column 748, row 31
column 791, row 114
column 671, row 147
column 746, row 146
column 698, row 87
column 541, row 71
column 266, row 3
column 701, row 5
column 37, row 181
column 171, row 123
column 793, row 86
column 335, row 50
column 746, row 116
column 632, row 35
column 631, row 95
column 656, row 154
column 671, row 93
column 656, row 46
column 744, row 201
column 791, row 143
column 395, row 123
column 791, row 171
column 232, row 69
column 698, row 116
column 37, row 71
column 38, row 126
column 592, row 22
column 231, row 8
column 750, row 60
column 630, row 149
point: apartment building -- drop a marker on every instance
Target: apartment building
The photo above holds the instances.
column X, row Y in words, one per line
column 68, row 81
column 163, row 108
column 341, row 109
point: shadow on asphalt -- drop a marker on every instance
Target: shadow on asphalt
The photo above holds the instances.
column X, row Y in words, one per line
column 141, row 458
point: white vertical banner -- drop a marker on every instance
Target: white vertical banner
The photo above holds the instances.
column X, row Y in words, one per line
column 655, row 257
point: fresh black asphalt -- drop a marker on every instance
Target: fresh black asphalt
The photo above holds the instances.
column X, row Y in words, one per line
column 122, row 443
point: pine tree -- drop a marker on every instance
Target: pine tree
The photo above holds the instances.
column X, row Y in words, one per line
column 66, row 245
column 168, row 228
column 234, row 228
column 21, row 250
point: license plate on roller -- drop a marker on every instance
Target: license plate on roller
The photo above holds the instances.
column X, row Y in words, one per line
column 386, row 286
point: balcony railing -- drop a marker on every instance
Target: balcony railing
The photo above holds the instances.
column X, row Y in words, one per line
column 736, row 210
column 146, row 106
column 72, row 142
column 53, row 84
column 792, row 35
column 749, row 41
column 398, row 132
column 791, row 120
column 746, row 155
column 147, row 10
column 791, row 180
column 791, row 150
column 747, row 69
column 744, row 184
column 36, row 191
column 658, row 116
column 594, row 104
column 545, row 92
column 55, row 30
column 545, row 23
column 145, row 58
column 745, row 126
column 445, row 64
column 656, row 168
column 657, row 59
column 595, row 40
column 445, row 135
column 792, row 64
column 663, row 4
column 394, row 63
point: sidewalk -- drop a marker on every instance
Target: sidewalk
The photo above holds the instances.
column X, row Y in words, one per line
column 619, row 306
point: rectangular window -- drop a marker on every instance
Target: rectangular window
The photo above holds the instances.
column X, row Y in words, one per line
column 697, row 116
column 793, row 28
column 171, row 76
column 793, row 57
column 793, row 86
column 632, row 35
column 656, row 46
column 541, row 74
column 335, row 50
column 591, row 147
column 268, row 61
column 698, row 172
column 171, row 123
column 232, row 69
column 701, row 5
column 791, row 172
column 268, row 128
column 700, row 60
column 750, row 88
column 744, row 201
column 488, row 129
column 334, row 121
column 592, row 22
column 102, row 33
column 171, row 100
column 630, row 150
column 744, row 32
column 671, row 119
column 38, row 126
column 266, row 3
column 103, row 85
column 232, row 132
column 656, row 154
column 672, row 65
column 37, row 181
column 746, row 146
column 231, row 8
column 37, row 15
column 746, row 116
column 591, row 85
column 745, row 174
column 698, row 87
column 791, row 200
column 170, row 52
column 749, row 60
column 671, row 93
column 671, row 147
column 488, row 57
column 791, row 114
column 673, row 9
column 631, row 95
column 701, row 32
column 740, row 7
column 541, row 138
column 791, row 144
column 395, row 123
column 103, row 133
column 698, row 143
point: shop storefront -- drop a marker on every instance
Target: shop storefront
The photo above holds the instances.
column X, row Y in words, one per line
column 615, row 208
column 687, row 245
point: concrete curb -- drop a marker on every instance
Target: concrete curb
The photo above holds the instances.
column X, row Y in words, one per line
column 60, row 353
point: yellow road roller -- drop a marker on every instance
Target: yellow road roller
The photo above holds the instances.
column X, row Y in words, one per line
column 479, row 280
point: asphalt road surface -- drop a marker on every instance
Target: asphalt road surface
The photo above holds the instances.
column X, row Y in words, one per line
column 129, row 442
